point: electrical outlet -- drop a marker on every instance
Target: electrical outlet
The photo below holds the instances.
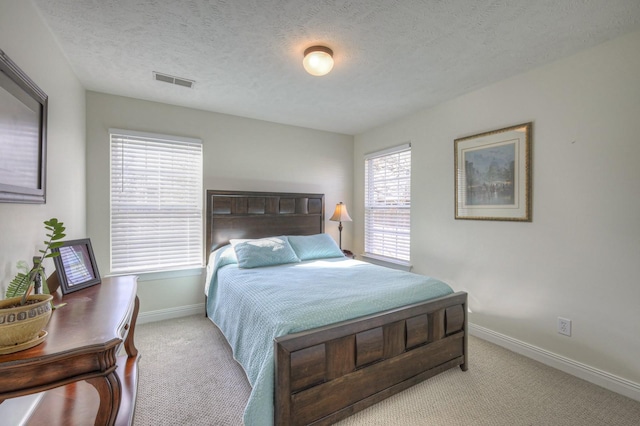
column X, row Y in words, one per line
column 564, row 326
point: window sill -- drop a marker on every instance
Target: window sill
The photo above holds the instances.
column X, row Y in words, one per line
column 387, row 261
column 164, row 275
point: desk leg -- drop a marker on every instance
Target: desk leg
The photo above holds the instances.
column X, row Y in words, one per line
column 109, row 390
column 129, row 344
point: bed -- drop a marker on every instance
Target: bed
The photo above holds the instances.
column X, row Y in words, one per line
column 311, row 365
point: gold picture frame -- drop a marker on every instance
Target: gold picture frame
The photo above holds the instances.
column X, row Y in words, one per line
column 493, row 175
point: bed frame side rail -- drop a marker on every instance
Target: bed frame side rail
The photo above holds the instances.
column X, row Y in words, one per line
column 328, row 373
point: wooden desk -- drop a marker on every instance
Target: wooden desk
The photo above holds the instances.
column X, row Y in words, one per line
column 84, row 339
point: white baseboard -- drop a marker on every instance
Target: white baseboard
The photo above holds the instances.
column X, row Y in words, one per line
column 593, row 375
column 170, row 313
column 601, row 378
column 17, row 411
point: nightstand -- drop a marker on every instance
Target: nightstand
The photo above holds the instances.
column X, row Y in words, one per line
column 349, row 254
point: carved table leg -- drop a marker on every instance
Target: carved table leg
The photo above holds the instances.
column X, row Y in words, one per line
column 109, row 390
column 129, row 344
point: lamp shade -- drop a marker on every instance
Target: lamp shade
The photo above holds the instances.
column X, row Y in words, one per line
column 341, row 214
column 318, row 60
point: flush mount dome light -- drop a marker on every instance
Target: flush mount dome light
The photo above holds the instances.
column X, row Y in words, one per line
column 318, row 60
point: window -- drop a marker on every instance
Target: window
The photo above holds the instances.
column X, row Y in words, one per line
column 156, row 202
column 387, row 204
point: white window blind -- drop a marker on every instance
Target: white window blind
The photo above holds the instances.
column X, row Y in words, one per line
column 387, row 210
column 156, row 202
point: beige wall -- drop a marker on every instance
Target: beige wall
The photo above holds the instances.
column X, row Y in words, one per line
column 580, row 257
column 239, row 154
column 25, row 39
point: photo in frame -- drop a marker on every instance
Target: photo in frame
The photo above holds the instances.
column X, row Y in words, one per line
column 493, row 175
column 23, row 136
column 76, row 266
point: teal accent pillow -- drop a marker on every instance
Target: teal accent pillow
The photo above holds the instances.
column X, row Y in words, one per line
column 319, row 246
column 264, row 252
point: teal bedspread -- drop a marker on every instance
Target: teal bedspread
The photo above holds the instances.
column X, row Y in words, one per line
column 253, row 306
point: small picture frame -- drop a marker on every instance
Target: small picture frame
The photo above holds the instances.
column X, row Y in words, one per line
column 75, row 266
column 493, row 175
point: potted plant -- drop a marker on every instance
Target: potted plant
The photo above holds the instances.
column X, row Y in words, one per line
column 23, row 315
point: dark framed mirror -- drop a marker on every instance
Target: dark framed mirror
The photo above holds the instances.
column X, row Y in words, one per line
column 23, row 136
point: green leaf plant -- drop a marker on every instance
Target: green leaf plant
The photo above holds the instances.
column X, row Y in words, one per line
column 22, row 283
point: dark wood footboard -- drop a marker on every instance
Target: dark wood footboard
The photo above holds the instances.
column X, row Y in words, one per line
column 328, row 373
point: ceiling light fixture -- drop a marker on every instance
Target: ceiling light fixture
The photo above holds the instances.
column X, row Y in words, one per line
column 318, row 60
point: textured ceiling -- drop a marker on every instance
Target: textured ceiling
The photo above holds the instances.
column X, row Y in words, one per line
column 392, row 57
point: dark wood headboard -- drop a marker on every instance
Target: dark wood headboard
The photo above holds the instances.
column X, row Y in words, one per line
column 243, row 214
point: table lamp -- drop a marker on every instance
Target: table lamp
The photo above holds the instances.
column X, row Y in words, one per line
column 340, row 215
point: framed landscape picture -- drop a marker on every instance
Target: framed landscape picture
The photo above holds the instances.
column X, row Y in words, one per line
column 493, row 175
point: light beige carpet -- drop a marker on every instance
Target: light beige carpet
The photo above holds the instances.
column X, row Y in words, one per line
column 188, row 377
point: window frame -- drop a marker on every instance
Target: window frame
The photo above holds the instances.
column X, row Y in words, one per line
column 393, row 255
column 162, row 145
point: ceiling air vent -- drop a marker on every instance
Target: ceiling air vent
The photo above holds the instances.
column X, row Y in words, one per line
column 173, row 80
